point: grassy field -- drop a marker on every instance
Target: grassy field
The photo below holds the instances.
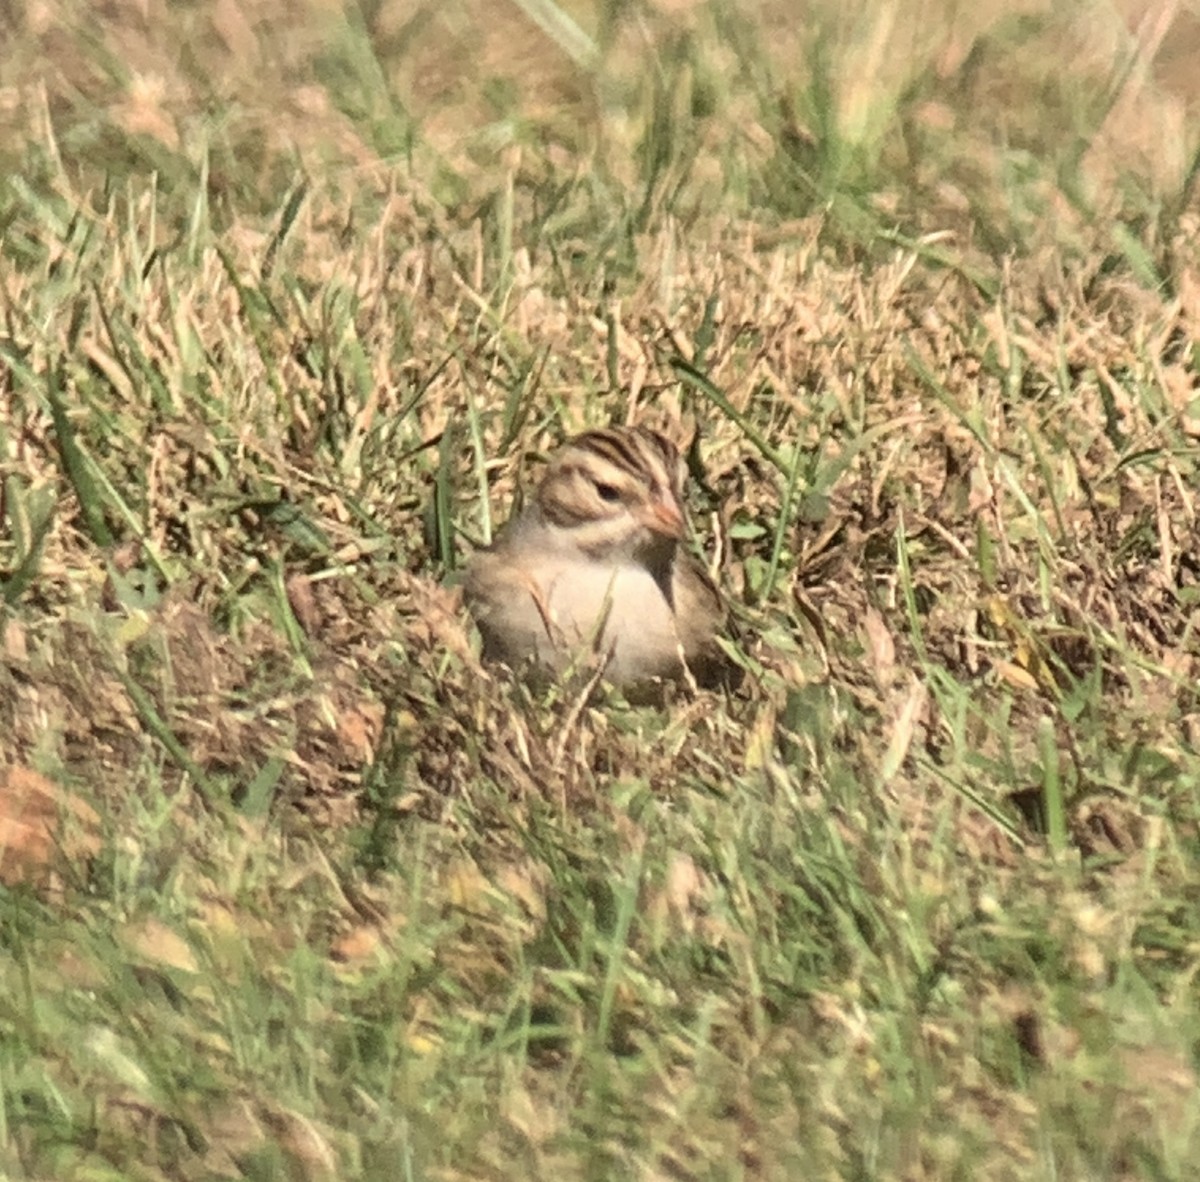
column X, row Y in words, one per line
column 295, row 299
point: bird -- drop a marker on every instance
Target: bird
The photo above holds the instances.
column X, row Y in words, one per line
column 594, row 570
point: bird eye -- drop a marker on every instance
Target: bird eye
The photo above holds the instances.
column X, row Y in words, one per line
column 608, row 492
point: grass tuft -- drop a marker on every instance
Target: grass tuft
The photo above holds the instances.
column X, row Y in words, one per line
column 293, row 307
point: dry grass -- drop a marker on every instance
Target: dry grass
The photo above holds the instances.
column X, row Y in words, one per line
column 333, row 900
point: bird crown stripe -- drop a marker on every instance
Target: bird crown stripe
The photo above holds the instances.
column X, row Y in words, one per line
column 616, row 449
column 639, row 452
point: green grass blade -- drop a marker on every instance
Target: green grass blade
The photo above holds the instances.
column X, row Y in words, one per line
column 77, row 467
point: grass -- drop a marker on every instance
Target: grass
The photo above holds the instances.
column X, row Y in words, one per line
column 293, row 305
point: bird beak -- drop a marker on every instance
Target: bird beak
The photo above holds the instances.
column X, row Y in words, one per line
column 664, row 517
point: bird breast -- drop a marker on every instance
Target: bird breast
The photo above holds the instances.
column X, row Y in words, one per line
column 573, row 607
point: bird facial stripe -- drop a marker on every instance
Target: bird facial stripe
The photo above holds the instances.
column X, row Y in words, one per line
column 643, row 454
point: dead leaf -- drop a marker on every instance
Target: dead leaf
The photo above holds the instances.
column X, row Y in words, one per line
column 355, row 946
column 156, row 943
column 39, row 822
column 15, row 645
column 911, row 711
column 306, row 1143
column 359, row 726
column 1015, row 676
column 304, row 604
column 881, row 647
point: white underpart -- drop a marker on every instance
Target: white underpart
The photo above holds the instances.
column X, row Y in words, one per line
column 579, row 607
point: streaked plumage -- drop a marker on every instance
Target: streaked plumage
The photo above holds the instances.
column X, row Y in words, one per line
column 594, row 568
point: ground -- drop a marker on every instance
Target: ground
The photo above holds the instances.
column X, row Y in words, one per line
column 297, row 299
